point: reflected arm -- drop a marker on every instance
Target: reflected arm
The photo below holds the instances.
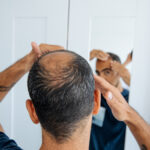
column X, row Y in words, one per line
column 122, row 71
column 125, row 75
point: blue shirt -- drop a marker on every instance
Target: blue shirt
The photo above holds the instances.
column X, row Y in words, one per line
column 7, row 144
column 111, row 135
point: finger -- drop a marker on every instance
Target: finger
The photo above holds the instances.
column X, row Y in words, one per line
column 36, row 48
column 102, row 83
column 112, row 63
column 104, row 86
column 113, row 102
column 49, row 47
column 99, row 54
column 110, row 99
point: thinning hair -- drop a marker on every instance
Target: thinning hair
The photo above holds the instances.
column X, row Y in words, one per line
column 63, row 95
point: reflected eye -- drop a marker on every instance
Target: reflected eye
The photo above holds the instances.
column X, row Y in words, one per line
column 107, row 72
column 97, row 72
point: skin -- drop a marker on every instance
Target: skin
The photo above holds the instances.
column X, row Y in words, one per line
column 84, row 128
column 18, row 69
column 123, row 112
column 103, row 69
column 99, row 54
column 122, row 71
column 1, row 128
column 111, row 70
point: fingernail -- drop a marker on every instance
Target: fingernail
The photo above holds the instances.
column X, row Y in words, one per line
column 110, row 96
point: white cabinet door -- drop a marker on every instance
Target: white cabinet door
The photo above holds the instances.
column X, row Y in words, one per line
column 21, row 23
column 102, row 24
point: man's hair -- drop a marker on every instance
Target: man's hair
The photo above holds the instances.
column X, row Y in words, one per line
column 64, row 97
column 114, row 57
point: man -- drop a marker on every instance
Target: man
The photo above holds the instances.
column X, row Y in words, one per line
column 104, row 59
column 62, row 139
column 108, row 133
column 61, row 87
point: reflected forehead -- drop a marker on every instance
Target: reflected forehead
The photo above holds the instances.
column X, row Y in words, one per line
column 56, row 59
column 101, row 65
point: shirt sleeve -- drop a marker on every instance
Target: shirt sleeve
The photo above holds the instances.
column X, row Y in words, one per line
column 7, row 144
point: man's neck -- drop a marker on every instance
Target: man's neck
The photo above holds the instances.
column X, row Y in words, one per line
column 79, row 140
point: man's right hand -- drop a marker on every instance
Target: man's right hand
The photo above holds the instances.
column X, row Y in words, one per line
column 114, row 99
column 123, row 112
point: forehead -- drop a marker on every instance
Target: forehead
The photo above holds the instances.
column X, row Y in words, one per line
column 101, row 65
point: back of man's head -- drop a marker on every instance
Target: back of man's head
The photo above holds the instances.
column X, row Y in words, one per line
column 61, row 86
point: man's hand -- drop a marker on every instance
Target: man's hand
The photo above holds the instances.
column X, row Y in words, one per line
column 99, row 54
column 43, row 48
column 117, row 67
column 17, row 70
column 47, row 48
column 123, row 112
column 122, row 71
column 114, row 99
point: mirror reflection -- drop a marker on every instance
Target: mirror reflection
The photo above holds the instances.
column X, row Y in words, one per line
column 112, row 33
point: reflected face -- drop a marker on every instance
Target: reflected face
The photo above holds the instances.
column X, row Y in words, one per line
column 103, row 69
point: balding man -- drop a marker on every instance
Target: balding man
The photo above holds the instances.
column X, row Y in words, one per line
column 63, row 100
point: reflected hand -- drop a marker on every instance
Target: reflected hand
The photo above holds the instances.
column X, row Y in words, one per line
column 99, row 54
column 114, row 99
column 117, row 67
column 122, row 71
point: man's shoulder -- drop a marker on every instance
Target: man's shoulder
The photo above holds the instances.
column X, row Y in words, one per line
column 7, row 143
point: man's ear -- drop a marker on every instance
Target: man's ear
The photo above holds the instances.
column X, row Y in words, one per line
column 32, row 112
column 97, row 100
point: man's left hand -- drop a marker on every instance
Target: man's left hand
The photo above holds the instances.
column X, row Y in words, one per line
column 44, row 48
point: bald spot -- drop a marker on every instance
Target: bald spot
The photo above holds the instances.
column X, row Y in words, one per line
column 59, row 68
column 56, row 60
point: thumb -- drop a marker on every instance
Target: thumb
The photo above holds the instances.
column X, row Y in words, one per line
column 36, row 48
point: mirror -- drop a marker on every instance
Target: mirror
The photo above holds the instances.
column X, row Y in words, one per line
column 112, row 33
